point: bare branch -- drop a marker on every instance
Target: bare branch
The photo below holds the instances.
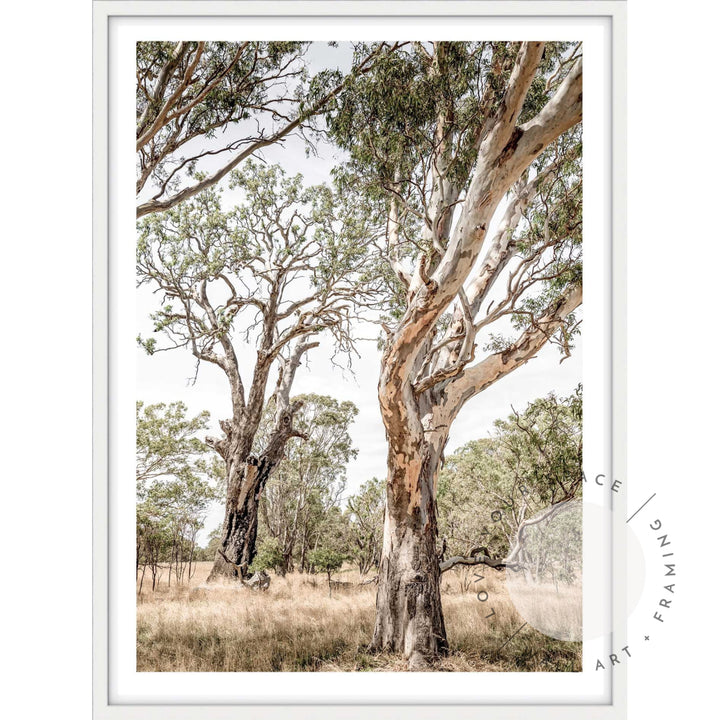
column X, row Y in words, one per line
column 476, row 557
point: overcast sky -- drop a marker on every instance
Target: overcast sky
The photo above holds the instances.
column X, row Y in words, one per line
column 164, row 376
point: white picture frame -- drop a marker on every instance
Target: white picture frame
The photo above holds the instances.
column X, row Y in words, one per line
column 109, row 12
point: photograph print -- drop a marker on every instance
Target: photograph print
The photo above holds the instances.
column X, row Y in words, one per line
column 359, row 375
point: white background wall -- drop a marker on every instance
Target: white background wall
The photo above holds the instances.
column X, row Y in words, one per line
column 45, row 286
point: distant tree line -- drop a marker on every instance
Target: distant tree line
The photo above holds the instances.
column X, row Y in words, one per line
column 487, row 489
column 176, row 483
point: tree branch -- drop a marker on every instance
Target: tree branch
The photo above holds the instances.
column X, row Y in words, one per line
column 158, row 205
column 476, row 557
column 490, row 181
column 478, row 377
column 160, row 119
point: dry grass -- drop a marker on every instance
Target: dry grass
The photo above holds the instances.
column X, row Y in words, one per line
column 295, row 626
column 557, row 611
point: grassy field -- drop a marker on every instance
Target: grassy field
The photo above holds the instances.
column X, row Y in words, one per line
column 296, row 626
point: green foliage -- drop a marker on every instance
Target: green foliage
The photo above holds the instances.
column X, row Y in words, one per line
column 176, row 483
column 301, row 251
column 208, row 552
column 544, row 445
column 269, row 556
column 419, row 116
column 333, row 531
column 552, row 548
column 167, row 445
column 467, row 497
column 243, row 86
column 551, row 241
column 488, row 486
column 388, row 118
column 326, row 560
column 232, row 83
column 200, row 104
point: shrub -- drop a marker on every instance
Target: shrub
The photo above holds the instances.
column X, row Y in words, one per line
column 268, row 556
column 327, row 561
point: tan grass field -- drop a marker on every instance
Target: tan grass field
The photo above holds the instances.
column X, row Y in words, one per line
column 296, row 626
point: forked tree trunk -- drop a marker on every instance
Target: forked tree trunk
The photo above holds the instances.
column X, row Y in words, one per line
column 409, row 618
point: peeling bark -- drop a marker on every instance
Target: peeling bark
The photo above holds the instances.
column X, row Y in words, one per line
column 409, row 616
column 422, row 388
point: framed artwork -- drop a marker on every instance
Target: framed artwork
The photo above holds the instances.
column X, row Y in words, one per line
column 359, row 330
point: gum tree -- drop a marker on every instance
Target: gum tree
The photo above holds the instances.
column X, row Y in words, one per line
column 248, row 291
column 208, row 106
column 470, row 152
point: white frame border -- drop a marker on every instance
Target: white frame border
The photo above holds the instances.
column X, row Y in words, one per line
column 103, row 10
